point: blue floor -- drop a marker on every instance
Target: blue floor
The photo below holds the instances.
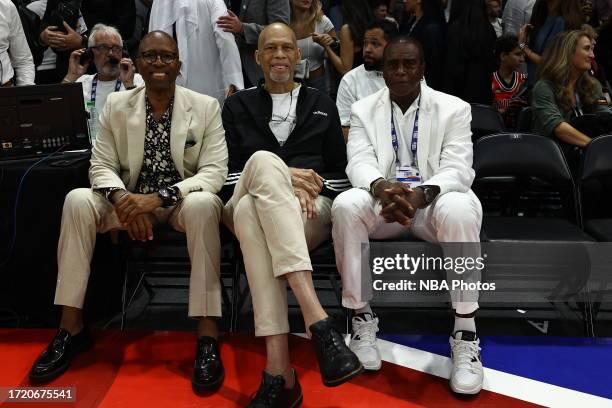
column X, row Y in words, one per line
column 576, row 363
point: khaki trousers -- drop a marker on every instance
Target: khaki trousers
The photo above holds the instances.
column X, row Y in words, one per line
column 274, row 235
column 86, row 213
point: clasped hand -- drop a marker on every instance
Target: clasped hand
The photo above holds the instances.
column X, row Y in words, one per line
column 399, row 201
column 307, row 185
column 135, row 214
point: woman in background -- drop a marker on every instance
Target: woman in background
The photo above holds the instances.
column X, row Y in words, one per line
column 314, row 31
column 357, row 14
column 565, row 89
column 549, row 18
column 470, row 57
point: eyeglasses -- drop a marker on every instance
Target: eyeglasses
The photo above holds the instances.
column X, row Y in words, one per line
column 106, row 49
column 166, row 57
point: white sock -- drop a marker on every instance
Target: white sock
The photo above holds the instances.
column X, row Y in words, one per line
column 465, row 323
column 365, row 309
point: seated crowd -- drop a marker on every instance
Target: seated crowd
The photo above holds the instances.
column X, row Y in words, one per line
column 238, row 114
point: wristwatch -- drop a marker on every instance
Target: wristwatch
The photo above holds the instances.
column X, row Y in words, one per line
column 429, row 194
column 522, row 46
column 168, row 196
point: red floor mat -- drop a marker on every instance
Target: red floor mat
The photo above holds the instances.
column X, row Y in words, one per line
column 144, row 369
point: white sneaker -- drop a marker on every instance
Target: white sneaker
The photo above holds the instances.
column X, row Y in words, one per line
column 467, row 374
column 363, row 341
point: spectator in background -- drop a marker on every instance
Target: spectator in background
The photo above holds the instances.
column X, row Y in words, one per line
column 61, row 37
column 381, row 11
column 16, row 64
column 253, row 16
column 367, row 78
column 120, row 14
column 470, row 57
column 141, row 25
column 314, row 31
column 429, row 28
column 209, row 56
column 357, row 14
column 516, row 14
column 602, row 9
column 493, row 12
column 549, row 18
column 114, row 73
column 507, row 83
column 566, row 90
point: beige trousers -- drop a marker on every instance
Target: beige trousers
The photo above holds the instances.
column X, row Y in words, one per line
column 274, row 235
column 87, row 213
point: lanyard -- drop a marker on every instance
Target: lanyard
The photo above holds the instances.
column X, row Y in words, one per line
column 94, row 87
column 413, row 140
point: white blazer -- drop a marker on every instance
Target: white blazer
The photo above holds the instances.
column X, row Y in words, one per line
column 444, row 148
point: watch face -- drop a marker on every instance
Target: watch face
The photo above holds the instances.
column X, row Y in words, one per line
column 164, row 193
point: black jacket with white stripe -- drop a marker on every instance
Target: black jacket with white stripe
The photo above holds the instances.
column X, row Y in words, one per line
column 316, row 141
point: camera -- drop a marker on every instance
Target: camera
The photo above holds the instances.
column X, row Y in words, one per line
column 65, row 11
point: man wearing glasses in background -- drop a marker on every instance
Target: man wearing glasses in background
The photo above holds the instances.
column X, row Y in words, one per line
column 114, row 73
column 160, row 157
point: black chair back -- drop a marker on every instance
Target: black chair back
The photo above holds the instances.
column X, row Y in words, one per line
column 485, row 120
column 597, row 158
column 520, row 154
column 544, row 184
column 524, row 123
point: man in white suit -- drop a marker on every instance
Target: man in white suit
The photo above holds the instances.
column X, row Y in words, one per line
column 409, row 157
column 210, row 58
column 160, row 156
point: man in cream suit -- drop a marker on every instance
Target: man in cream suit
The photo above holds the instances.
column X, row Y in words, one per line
column 160, row 156
column 409, row 158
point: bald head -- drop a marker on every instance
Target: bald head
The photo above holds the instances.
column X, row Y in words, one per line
column 157, row 37
column 276, row 30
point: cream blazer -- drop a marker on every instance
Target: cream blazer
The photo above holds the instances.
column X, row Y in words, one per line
column 197, row 142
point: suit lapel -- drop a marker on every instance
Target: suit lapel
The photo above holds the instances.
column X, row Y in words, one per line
column 181, row 119
column 383, row 130
column 425, row 135
column 136, row 127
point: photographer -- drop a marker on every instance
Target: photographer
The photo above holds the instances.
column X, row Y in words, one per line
column 63, row 32
column 114, row 72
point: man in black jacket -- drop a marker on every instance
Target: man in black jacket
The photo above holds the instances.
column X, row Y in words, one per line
column 286, row 159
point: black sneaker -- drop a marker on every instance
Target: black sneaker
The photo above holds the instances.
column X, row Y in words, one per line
column 56, row 358
column 273, row 394
column 208, row 372
column 337, row 363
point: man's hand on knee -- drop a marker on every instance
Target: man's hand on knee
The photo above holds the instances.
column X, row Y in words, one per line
column 132, row 205
column 141, row 229
column 307, row 180
column 306, row 202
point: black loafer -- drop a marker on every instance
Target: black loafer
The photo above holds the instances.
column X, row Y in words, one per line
column 337, row 362
column 56, row 358
column 208, row 372
column 273, row 394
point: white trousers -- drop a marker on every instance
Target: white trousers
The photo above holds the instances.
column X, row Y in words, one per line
column 452, row 217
